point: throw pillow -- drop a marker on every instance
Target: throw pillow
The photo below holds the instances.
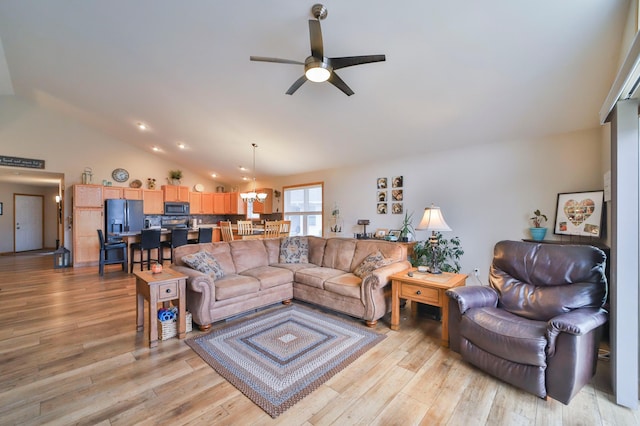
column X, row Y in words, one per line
column 204, row 262
column 294, row 250
column 372, row 261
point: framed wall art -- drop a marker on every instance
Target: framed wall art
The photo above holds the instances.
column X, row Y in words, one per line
column 397, row 181
column 382, row 196
column 396, row 208
column 579, row 213
column 382, row 183
column 382, row 208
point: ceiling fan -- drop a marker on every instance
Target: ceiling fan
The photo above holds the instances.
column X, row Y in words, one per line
column 317, row 67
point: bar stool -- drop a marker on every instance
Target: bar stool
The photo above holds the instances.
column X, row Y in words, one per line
column 179, row 237
column 149, row 240
column 205, row 235
column 106, row 248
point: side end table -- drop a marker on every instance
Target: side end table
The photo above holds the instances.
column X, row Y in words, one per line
column 160, row 288
column 425, row 288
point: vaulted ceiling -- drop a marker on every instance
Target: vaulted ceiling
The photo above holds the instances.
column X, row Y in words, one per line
column 456, row 73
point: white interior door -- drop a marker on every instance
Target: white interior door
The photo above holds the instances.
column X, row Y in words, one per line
column 29, row 227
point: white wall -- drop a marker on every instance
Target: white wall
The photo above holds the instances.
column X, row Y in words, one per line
column 27, row 130
column 487, row 193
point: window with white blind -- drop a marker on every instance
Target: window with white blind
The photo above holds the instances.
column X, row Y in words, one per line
column 303, row 207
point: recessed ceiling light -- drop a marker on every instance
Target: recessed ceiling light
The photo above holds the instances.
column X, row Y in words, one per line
column 155, row 148
column 242, row 168
column 181, row 145
column 214, row 175
column 245, row 178
column 142, row 126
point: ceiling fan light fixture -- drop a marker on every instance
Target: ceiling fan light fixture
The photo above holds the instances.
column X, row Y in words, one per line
column 317, row 71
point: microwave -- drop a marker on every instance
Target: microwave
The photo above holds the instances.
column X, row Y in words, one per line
column 176, row 209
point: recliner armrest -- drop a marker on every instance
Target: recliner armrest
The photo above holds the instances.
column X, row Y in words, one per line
column 577, row 322
column 473, row 297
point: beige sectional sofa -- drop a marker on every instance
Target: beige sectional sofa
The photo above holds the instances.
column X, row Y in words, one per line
column 331, row 272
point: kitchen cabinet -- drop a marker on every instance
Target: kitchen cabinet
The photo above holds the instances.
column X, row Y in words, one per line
column 119, row 193
column 195, row 202
column 132, row 193
column 218, row 202
column 153, row 201
column 207, row 203
column 86, row 220
column 110, row 193
column 175, row 193
column 87, row 196
column 266, row 207
column 233, row 204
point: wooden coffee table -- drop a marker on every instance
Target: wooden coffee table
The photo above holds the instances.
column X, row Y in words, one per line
column 163, row 287
column 426, row 288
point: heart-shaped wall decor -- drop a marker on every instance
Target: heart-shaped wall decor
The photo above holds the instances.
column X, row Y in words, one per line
column 578, row 211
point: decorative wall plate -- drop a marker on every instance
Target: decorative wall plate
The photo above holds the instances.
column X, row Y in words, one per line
column 199, row 187
column 135, row 183
column 120, row 175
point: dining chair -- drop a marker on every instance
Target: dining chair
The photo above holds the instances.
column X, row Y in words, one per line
column 285, row 228
column 149, row 240
column 227, row 232
column 272, row 229
column 245, row 227
column 205, row 235
column 179, row 237
column 109, row 247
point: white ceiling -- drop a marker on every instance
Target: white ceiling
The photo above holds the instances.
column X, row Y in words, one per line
column 457, row 73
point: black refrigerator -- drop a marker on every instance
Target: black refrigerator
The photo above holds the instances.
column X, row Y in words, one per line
column 122, row 216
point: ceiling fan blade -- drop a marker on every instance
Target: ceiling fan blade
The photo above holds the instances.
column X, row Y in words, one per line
column 337, row 81
column 295, row 86
column 349, row 61
column 277, row 60
column 315, row 33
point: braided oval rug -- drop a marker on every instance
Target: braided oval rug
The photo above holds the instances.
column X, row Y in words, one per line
column 281, row 356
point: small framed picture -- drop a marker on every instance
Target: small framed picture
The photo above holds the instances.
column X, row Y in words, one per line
column 382, row 183
column 382, row 208
column 396, row 208
column 579, row 213
column 381, row 232
column 394, row 233
column 397, row 181
column 382, row 196
column 397, row 194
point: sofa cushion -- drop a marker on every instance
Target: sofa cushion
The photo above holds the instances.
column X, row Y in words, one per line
column 249, row 254
column 273, row 249
column 344, row 285
column 270, row 276
column 373, row 261
column 204, row 262
column 235, row 285
column 221, row 251
column 294, row 267
column 294, row 250
column 506, row 335
column 364, row 248
column 316, row 249
column 315, row 277
column 338, row 254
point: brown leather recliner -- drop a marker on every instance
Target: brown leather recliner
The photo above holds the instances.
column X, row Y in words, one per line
column 538, row 324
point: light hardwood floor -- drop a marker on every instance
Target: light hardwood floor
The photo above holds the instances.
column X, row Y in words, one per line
column 70, row 354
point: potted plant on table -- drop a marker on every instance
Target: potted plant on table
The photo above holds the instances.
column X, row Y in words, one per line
column 538, row 231
column 406, row 228
column 448, row 253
